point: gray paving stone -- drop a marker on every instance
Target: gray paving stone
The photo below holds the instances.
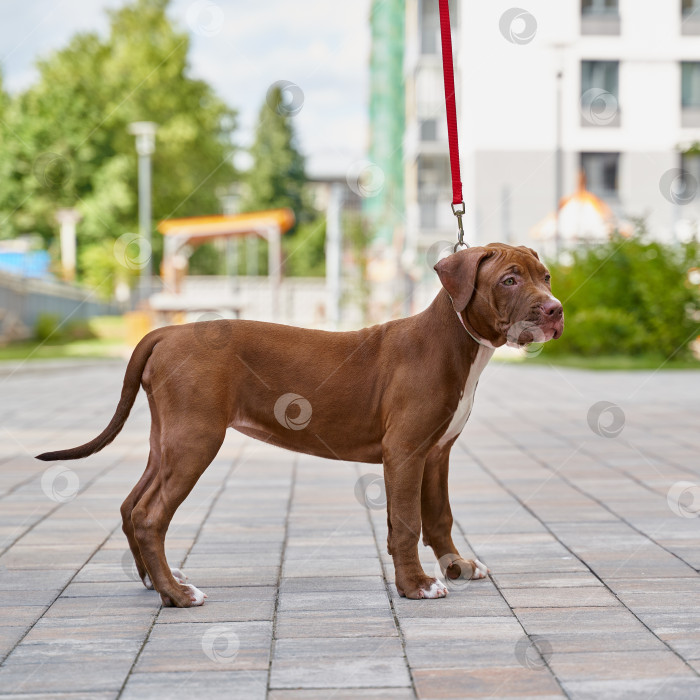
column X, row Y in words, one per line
column 9, row 636
column 563, row 597
column 66, row 677
column 34, row 579
column 237, row 576
column 462, row 653
column 679, row 629
column 331, row 567
column 332, row 584
column 66, row 651
column 124, row 607
column 230, row 646
column 249, row 610
column 620, row 665
column 367, row 672
column 343, row 694
column 477, row 599
column 22, row 614
column 529, row 480
column 336, row 647
column 214, row 685
column 101, row 589
column 676, row 688
column 452, row 628
column 337, row 623
column 486, row 683
column 99, row 695
column 588, row 629
column 337, row 600
column 546, row 580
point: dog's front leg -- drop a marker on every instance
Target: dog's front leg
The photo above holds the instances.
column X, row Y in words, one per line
column 437, row 519
column 403, row 473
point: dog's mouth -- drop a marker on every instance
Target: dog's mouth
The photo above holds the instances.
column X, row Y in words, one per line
column 528, row 331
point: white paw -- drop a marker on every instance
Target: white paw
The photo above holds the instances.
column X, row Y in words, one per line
column 179, row 576
column 196, row 596
column 147, row 582
column 437, row 590
column 481, row 570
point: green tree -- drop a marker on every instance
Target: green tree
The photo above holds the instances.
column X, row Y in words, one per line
column 67, row 143
column 4, row 99
column 277, row 177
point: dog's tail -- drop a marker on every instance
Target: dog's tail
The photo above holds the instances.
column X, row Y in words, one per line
column 132, row 382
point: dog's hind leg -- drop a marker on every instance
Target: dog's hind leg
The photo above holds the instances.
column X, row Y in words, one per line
column 127, row 508
column 133, row 498
column 137, row 492
column 186, row 451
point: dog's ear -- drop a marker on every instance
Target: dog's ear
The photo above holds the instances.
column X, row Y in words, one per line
column 457, row 273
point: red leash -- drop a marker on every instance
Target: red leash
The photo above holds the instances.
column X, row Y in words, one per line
column 458, row 207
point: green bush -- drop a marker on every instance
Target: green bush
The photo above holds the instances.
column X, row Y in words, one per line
column 603, row 332
column 79, row 330
column 629, row 296
column 49, row 328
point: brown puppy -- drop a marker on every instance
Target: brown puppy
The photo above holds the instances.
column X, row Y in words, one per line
column 398, row 393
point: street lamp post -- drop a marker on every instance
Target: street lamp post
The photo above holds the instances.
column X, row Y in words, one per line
column 560, row 62
column 559, row 168
column 68, row 218
column 145, row 133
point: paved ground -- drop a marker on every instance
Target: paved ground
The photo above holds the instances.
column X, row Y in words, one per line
column 587, row 528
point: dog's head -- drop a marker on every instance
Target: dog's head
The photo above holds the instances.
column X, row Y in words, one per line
column 504, row 293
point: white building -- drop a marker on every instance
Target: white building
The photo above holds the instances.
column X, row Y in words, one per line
column 626, row 105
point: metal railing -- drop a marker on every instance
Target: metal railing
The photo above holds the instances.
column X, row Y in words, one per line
column 24, row 300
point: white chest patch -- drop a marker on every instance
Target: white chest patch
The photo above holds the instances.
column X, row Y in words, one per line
column 466, row 401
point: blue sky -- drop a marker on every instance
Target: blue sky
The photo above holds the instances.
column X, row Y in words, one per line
column 240, row 47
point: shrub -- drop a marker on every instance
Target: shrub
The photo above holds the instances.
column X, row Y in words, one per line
column 48, row 328
column 603, row 332
column 79, row 330
column 628, row 296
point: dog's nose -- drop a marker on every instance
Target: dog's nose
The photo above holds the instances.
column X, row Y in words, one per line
column 552, row 308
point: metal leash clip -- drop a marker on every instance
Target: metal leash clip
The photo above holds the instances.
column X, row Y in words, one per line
column 459, row 213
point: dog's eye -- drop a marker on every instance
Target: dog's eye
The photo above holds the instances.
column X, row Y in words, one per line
column 509, row 281
column 547, row 278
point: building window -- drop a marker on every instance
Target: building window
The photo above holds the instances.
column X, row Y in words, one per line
column 428, row 213
column 600, row 74
column 690, row 174
column 434, row 173
column 690, row 17
column 433, row 186
column 690, row 94
column 428, row 130
column 601, row 171
column 689, row 7
column 599, row 93
column 600, row 17
column 690, row 84
column 599, row 7
column 430, row 25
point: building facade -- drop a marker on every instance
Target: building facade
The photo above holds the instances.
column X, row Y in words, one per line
column 546, row 92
